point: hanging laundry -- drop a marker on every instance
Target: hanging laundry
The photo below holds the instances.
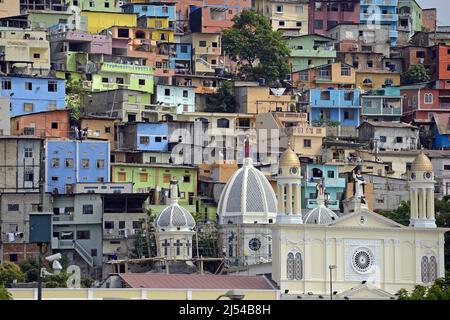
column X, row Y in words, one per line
column 11, row 237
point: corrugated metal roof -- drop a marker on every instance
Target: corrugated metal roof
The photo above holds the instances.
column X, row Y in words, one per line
column 195, row 281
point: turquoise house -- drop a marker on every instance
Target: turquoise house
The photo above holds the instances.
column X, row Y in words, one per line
column 334, row 186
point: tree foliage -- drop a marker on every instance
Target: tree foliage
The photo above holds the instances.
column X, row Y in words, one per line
column 9, row 271
column 442, row 208
column 401, row 215
column 223, row 100
column 259, row 51
column 440, row 290
column 75, row 95
column 415, row 74
column 4, row 293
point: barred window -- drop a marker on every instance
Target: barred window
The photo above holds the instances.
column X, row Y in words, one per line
column 424, row 267
column 298, row 272
column 290, row 266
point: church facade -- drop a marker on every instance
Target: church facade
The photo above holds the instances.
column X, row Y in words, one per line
column 360, row 253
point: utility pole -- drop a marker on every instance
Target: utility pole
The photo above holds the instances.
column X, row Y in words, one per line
column 41, row 209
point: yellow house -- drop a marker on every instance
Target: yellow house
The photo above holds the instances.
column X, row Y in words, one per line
column 285, row 14
column 252, row 98
column 206, row 51
column 98, row 21
column 368, row 80
column 160, row 28
column 292, row 127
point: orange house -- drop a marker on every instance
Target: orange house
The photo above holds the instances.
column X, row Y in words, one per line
column 48, row 124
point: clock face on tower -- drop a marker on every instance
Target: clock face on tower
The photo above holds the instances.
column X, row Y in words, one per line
column 427, row 175
column 294, row 170
column 254, row 244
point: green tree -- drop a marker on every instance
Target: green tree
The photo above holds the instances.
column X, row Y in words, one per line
column 57, row 280
column 4, row 293
column 9, row 271
column 440, row 290
column 223, row 100
column 259, row 51
column 442, row 209
column 30, row 268
column 75, row 95
column 401, row 215
column 415, row 74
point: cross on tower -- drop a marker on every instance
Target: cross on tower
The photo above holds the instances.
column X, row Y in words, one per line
column 178, row 245
column 166, row 244
column 188, row 245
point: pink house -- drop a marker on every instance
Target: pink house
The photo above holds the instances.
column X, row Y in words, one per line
column 325, row 14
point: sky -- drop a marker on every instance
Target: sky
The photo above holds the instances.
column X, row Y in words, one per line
column 443, row 7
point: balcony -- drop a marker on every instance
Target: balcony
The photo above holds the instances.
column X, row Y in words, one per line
column 383, row 18
column 331, row 204
column 63, row 218
column 393, row 3
column 382, row 111
column 326, row 52
column 329, row 182
column 120, row 234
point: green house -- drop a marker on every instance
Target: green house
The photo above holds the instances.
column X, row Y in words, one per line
column 310, row 50
column 154, row 179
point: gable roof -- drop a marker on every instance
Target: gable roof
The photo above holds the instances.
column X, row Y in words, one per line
column 194, row 281
column 442, row 121
column 364, row 291
column 387, row 124
column 388, row 223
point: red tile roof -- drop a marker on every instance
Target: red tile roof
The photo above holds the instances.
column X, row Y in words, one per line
column 194, row 281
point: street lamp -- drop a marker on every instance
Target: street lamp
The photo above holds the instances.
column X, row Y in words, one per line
column 233, row 295
column 331, row 267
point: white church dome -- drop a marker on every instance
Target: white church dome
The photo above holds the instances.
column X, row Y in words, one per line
column 175, row 217
column 247, row 197
column 320, row 215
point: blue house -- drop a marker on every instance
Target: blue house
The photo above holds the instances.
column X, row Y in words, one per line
column 341, row 105
column 441, row 131
column 180, row 55
column 72, row 161
column 334, row 186
column 152, row 10
column 143, row 136
column 32, row 94
column 381, row 12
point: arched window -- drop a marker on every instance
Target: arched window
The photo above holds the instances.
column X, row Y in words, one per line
column 294, row 266
column 367, row 81
column 428, row 98
column 432, row 269
column 424, row 269
column 298, row 266
column 290, row 266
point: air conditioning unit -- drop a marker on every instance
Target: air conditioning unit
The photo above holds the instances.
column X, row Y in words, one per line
column 421, row 60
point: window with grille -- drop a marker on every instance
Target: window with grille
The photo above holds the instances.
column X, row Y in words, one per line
column 52, row 86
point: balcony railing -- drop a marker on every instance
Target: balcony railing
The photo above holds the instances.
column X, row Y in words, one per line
column 331, row 204
column 111, row 234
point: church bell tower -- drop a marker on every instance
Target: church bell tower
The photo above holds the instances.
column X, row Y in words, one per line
column 289, row 188
column 421, row 189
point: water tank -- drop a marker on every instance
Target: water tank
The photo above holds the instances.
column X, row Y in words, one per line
column 262, row 82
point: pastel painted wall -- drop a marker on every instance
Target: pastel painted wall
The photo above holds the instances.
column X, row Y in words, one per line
column 182, row 97
column 98, row 21
column 30, row 95
column 146, row 177
column 73, row 161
